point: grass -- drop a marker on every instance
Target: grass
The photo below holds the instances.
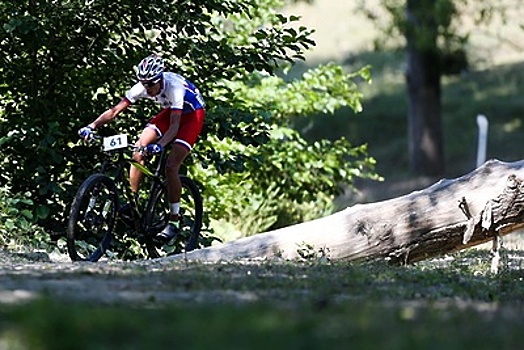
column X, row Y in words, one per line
column 352, row 325
column 451, row 303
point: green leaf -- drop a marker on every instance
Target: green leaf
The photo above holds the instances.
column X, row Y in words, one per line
column 27, row 214
column 43, row 211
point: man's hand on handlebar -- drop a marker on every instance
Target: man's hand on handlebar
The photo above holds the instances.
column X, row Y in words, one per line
column 153, row 148
column 86, row 133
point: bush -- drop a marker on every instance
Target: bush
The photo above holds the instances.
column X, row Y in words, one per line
column 17, row 224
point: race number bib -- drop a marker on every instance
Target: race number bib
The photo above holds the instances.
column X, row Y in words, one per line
column 115, row 142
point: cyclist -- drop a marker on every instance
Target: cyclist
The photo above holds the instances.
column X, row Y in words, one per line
column 181, row 119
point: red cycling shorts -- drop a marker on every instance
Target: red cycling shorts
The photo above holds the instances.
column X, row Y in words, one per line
column 190, row 125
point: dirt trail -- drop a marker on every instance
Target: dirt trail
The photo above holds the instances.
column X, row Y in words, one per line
column 29, row 276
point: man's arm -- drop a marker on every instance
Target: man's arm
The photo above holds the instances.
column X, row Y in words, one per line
column 173, row 128
column 110, row 114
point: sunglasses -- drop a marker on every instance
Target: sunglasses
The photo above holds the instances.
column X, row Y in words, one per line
column 149, row 83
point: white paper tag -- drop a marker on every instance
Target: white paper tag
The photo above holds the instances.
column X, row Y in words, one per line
column 115, row 142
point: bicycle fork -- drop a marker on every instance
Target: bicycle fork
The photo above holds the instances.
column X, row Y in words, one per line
column 91, row 214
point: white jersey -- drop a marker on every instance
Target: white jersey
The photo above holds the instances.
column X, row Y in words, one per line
column 176, row 93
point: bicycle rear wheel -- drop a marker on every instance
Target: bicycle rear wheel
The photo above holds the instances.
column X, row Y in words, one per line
column 92, row 218
column 157, row 215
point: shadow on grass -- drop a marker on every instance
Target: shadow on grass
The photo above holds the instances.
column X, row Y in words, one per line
column 450, row 303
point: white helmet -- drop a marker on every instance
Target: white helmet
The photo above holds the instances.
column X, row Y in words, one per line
column 150, row 68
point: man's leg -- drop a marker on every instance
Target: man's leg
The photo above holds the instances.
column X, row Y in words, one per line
column 190, row 127
column 148, row 136
column 174, row 186
column 174, row 190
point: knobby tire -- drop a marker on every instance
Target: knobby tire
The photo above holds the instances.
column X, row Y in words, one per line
column 92, row 218
column 157, row 214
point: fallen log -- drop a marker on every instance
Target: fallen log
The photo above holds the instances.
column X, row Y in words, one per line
column 448, row 216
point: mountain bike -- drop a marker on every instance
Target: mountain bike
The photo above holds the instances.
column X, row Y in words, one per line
column 105, row 213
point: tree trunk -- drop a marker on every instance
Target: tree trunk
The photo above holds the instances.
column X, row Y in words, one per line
column 448, row 216
column 424, row 91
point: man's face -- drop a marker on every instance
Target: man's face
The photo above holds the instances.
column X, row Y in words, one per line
column 152, row 86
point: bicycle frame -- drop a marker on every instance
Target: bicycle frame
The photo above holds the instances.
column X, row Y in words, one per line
column 118, row 160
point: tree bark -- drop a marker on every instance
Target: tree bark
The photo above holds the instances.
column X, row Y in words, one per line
column 448, row 216
column 423, row 73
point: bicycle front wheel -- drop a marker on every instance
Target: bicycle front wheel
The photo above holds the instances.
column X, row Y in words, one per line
column 92, row 218
column 157, row 215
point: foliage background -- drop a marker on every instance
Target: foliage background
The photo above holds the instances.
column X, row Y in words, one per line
column 491, row 86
